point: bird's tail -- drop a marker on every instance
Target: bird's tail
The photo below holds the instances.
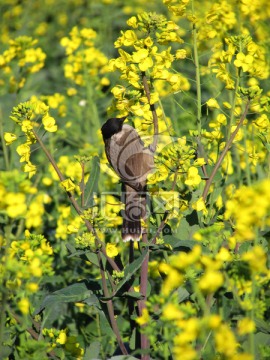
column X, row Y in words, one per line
column 132, row 215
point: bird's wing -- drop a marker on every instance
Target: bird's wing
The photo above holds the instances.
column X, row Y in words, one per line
column 129, row 158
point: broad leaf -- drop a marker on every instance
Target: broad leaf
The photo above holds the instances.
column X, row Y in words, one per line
column 92, row 352
column 73, row 293
column 131, row 269
column 178, row 243
column 92, row 183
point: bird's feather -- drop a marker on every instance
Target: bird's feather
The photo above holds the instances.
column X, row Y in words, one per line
column 129, row 158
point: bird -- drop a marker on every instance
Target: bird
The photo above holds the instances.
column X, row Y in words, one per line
column 132, row 162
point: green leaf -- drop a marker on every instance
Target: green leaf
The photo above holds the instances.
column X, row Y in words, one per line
column 183, row 294
column 92, row 352
column 71, row 248
column 188, row 226
column 92, row 300
column 55, row 304
column 260, row 340
column 92, row 257
column 123, row 357
column 92, row 183
column 263, row 326
column 176, row 242
column 104, row 324
column 74, row 252
column 132, row 340
column 73, row 293
column 131, row 269
column 133, row 295
column 51, row 313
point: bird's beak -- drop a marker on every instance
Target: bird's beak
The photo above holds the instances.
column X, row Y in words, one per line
column 122, row 119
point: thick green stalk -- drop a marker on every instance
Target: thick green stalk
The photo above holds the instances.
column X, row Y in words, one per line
column 233, row 106
column 74, row 202
column 98, row 244
column 198, row 77
column 4, row 146
column 145, row 343
column 224, row 152
column 4, row 300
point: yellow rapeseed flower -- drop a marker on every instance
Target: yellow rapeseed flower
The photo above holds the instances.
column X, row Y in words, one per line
column 172, row 312
column 199, row 205
column 173, row 280
column 225, row 341
column 184, row 260
column 193, row 177
column 29, row 168
column 245, row 326
column 49, row 123
column 62, row 337
column 24, row 306
column 24, row 151
column 211, row 281
column 132, row 22
column 32, row 287
column 111, row 250
column 15, row 204
column 244, row 61
column 9, row 138
column 212, row 103
column 144, row 318
column 68, row 185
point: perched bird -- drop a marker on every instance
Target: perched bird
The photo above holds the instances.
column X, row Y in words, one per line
column 132, row 162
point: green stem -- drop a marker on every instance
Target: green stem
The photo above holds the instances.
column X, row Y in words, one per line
column 21, row 224
column 198, row 78
column 153, row 110
column 145, row 343
column 4, row 300
column 74, row 203
column 110, row 308
column 166, row 345
column 251, row 339
column 5, row 150
column 233, row 105
column 200, row 298
column 92, row 125
column 247, row 169
column 82, row 186
column 98, row 244
column 224, row 152
column 2, row 318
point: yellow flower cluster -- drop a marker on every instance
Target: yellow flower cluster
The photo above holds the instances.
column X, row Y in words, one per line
column 26, row 115
column 25, row 57
column 242, row 53
column 219, row 19
column 84, row 61
column 249, row 211
column 207, row 274
column 146, row 57
column 66, row 223
column 111, row 208
column 174, row 157
column 60, row 339
column 19, row 199
column 24, row 263
column 13, row 203
column 191, row 329
column 55, row 101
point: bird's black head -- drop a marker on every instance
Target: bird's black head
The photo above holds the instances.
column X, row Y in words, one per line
column 112, row 126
